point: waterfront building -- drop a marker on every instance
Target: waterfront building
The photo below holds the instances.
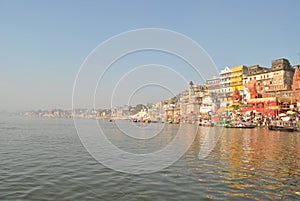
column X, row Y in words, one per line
column 184, row 96
column 276, row 81
column 213, row 85
column 296, row 83
column 155, row 111
column 272, row 106
column 236, row 78
column 261, row 76
column 207, row 105
column 190, row 100
column 183, row 101
column 225, row 89
column 213, row 90
column 160, row 111
column 169, row 112
column 282, row 76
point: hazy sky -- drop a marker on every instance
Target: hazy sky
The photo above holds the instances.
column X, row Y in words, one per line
column 44, row 43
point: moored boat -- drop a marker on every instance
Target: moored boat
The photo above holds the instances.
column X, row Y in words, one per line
column 208, row 123
column 223, row 123
column 241, row 125
column 281, row 128
column 288, row 126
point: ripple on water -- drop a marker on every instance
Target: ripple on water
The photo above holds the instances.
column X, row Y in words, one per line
column 44, row 160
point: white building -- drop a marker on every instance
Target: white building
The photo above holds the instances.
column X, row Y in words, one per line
column 225, row 90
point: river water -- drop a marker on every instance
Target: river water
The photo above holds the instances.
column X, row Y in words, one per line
column 43, row 159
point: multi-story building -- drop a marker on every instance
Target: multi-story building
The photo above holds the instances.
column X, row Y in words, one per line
column 193, row 105
column 282, row 76
column 189, row 95
column 189, row 102
column 272, row 82
column 262, row 76
column 183, row 100
column 213, row 89
column 207, row 104
column 296, row 83
column 225, row 89
column 237, row 76
column 213, row 85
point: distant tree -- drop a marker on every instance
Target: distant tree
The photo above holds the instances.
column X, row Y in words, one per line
column 137, row 108
column 149, row 105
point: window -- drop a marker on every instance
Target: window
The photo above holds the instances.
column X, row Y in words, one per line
column 260, row 105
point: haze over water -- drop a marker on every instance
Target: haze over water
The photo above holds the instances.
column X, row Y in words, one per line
column 43, row 159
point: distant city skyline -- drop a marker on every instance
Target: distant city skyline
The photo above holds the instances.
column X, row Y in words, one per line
column 44, row 43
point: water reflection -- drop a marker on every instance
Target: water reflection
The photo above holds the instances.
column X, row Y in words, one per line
column 264, row 162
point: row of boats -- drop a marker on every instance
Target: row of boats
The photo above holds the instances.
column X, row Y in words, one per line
column 277, row 125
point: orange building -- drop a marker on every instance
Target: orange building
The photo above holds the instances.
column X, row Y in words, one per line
column 271, row 106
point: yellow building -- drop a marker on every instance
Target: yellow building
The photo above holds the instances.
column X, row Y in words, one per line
column 237, row 76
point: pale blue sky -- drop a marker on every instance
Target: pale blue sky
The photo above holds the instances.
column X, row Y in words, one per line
column 43, row 43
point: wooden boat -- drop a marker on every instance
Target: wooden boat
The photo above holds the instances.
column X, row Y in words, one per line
column 281, row 128
column 287, row 126
column 223, row 123
column 172, row 122
column 241, row 125
column 135, row 120
column 208, row 123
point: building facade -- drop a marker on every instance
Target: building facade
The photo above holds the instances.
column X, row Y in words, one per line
column 262, row 76
column 225, row 89
column 237, row 76
column 282, row 76
column 213, row 90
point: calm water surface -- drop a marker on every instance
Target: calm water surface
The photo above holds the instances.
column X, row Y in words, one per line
column 43, row 159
